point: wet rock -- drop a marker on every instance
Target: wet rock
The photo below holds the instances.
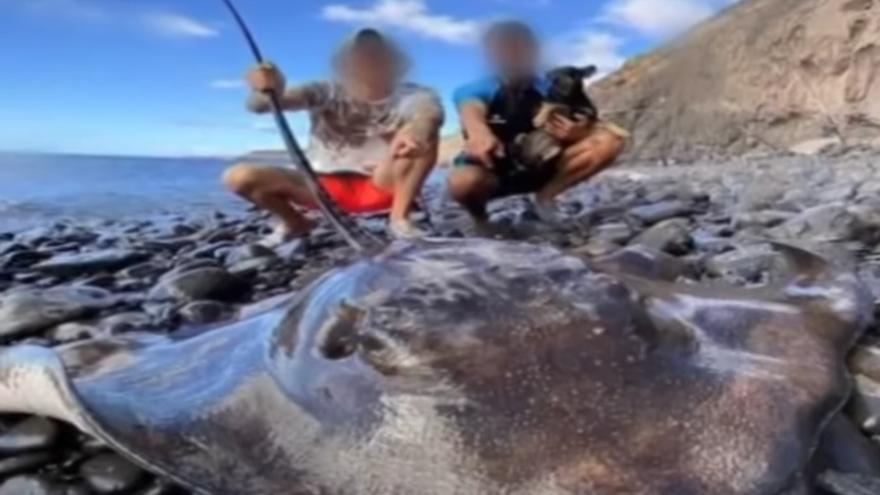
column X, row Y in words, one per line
column 762, row 219
column 28, row 485
column 293, row 251
column 24, row 462
column 824, row 223
column 210, row 250
column 109, row 473
column 187, row 265
column 843, row 448
column 103, row 281
column 865, row 360
column 30, row 434
column 149, row 269
column 864, row 406
column 643, row 262
column 22, row 259
column 69, row 265
column 849, row 484
column 672, row 236
column 202, row 283
column 29, row 311
column 664, row 210
column 248, row 252
column 159, row 487
column 251, row 267
column 616, row 232
column 125, row 322
column 204, row 312
column 72, row 332
column 747, row 265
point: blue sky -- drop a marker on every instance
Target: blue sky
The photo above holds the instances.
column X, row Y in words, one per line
column 163, row 77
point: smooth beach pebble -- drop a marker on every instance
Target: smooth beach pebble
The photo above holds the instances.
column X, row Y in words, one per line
column 108, row 473
column 30, row 434
column 28, row 485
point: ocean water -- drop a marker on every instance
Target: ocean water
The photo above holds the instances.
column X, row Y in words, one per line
column 40, row 189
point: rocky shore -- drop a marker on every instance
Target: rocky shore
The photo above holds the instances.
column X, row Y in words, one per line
column 66, row 282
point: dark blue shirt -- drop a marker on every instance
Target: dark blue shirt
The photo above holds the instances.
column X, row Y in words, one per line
column 512, row 109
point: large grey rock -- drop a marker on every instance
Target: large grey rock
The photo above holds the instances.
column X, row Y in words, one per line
column 109, row 474
column 664, row 210
column 750, row 264
column 849, row 484
column 68, row 265
column 864, row 407
column 29, row 434
column 202, row 283
column 203, row 312
column 27, row 312
column 248, row 252
column 21, row 463
column 824, row 223
column 672, row 236
column 28, row 485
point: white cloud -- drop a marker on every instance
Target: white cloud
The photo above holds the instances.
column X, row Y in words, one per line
column 78, row 10
column 178, row 25
column 408, row 15
column 590, row 48
column 227, row 84
column 660, row 17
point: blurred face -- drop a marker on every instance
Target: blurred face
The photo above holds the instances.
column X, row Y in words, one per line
column 373, row 64
column 514, row 57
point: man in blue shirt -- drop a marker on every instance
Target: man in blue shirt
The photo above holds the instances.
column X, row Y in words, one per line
column 496, row 110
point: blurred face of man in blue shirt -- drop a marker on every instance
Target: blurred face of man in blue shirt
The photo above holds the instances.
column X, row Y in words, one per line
column 513, row 51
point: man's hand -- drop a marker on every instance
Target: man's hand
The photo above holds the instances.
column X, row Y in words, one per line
column 265, row 78
column 568, row 130
column 484, row 148
column 406, row 146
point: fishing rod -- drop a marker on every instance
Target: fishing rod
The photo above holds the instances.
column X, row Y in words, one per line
column 354, row 235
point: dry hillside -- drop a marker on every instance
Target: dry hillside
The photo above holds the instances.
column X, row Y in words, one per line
column 765, row 74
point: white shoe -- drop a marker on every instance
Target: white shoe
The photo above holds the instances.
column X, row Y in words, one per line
column 404, row 229
column 546, row 210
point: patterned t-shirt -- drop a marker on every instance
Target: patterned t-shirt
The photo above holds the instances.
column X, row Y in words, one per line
column 350, row 135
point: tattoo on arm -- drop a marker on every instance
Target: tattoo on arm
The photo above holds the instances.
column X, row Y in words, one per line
column 294, row 98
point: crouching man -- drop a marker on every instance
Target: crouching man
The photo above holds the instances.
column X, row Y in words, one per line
column 373, row 139
column 498, row 110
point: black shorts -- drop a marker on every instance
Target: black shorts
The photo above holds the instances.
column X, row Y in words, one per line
column 512, row 179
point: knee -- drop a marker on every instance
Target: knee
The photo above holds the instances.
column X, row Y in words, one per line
column 240, row 179
column 466, row 186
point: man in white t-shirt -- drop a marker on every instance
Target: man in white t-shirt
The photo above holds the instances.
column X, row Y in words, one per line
column 373, row 142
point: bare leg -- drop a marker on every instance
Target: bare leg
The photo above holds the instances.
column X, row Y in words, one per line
column 274, row 189
column 405, row 177
column 473, row 187
column 582, row 161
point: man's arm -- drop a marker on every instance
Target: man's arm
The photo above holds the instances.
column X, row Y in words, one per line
column 294, row 98
column 266, row 78
column 474, row 116
column 425, row 117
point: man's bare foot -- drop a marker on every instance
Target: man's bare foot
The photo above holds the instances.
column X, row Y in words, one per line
column 405, row 229
column 283, row 233
column 482, row 227
column 546, row 209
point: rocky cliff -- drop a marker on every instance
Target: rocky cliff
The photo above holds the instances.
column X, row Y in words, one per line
column 764, row 75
